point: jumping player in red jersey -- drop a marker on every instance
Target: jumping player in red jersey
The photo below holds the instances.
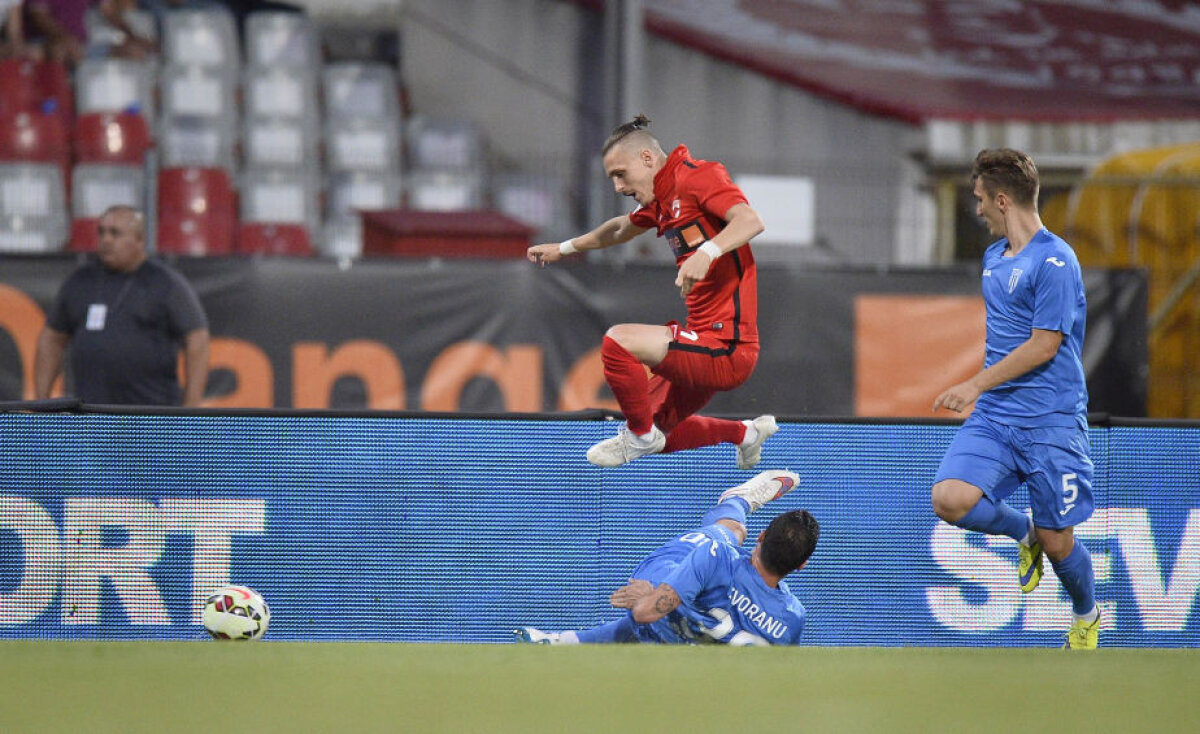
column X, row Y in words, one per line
column 708, row 223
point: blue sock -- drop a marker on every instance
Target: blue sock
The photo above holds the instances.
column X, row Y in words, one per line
column 995, row 518
column 620, row 630
column 1075, row 573
column 734, row 508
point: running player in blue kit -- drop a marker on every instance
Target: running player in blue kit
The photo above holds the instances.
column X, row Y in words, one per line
column 703, row 587
column 1029, row 424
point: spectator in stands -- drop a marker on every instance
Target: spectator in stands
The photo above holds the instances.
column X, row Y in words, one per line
column 124, row 317
column 239, row 8
column 12, row 21
column 708, row 223
column 704, row 587
column 62, row 28
column 59, row 25
column 134, row 46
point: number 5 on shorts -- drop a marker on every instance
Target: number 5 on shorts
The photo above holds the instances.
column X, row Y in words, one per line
column 1070, row 492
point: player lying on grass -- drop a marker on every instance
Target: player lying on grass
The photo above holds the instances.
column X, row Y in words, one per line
column 704, row 587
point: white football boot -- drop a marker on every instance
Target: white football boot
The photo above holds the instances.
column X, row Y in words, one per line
column 537, row 637
column 766, row 486
column 625, row 447
column 749, row 456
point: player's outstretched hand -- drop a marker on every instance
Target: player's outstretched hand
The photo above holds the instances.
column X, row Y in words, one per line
column 542, row 254
column 957, row 398
column 692, row 272
column 628, row 595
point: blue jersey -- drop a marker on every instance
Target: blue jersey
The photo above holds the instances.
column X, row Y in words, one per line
column 724, row 599
column 1040, row 288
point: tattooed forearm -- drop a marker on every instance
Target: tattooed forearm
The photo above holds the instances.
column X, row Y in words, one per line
column 663, row 604
column 657, row 605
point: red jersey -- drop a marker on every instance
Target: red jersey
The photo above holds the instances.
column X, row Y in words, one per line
column 691, row 198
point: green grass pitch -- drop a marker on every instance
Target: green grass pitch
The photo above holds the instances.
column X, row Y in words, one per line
column 78, row 686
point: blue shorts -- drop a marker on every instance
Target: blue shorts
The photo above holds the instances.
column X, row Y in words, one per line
column 1052, row 462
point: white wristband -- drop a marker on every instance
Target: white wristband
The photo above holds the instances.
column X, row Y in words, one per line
column 708, row 248
column 567, row 247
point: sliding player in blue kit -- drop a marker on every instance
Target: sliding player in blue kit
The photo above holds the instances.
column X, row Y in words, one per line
column 703, row 587
column 1030, row 419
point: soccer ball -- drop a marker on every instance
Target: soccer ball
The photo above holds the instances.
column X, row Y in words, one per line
column 235, row 613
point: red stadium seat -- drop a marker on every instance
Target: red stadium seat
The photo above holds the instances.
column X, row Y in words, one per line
column 84, row 236
column 274, row 239
column 36, row 138
column 111, row 137
column 195, row 236
column 18, row 87
column 36, row 86
column 197, row 192
column 197, row 211
column 54, row 87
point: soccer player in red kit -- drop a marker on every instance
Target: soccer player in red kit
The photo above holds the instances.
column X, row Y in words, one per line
column 708, row 223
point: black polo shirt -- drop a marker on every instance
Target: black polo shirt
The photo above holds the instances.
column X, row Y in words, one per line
column 126, row 331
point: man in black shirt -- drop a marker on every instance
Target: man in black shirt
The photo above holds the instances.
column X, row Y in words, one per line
column 125, row 317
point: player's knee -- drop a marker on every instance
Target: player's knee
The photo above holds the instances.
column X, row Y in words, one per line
column 1056, row 544
column 620, row 334
column 948, row 504
column 737, row 528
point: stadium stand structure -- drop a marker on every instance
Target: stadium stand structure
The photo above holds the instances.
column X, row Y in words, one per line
column 273, row 144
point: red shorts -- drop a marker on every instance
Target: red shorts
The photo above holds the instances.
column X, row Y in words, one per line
column 697, row 366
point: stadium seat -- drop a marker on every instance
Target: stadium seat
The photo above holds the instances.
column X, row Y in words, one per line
column 111, row 137
column 198, row 92
column 32, row 207
column 362, row 145
column 283, row 39
column 196, row 142
column 197, row 211
column 281, row 93
column 35, row 86
column 444, row 145
column 30, row 235
column 95, row 188
column 352, row 191
column 198, row 192
column 360, row 90
column 98, row 186
column 205, row 36
column 278, row 143
column 35, row 138
column 18, row 88
column 279, row 196
column 257, row 238
column 83, row 236
column 445, row 191
column 115, row 85
column 195, row 236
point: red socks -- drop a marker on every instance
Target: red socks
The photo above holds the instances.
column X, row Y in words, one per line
column 697, row 430
column 627, row 379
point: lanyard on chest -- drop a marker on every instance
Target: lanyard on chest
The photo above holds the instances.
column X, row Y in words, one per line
column 99, row 311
